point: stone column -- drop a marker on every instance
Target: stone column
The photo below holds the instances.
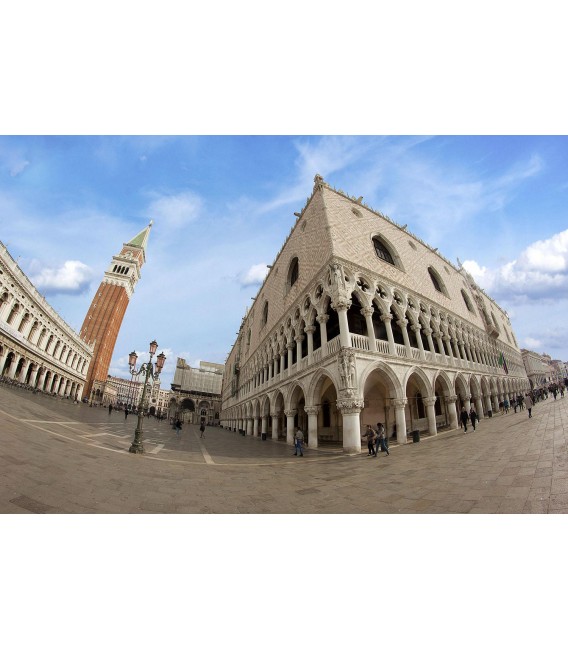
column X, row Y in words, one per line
column 322, row 320
column 299, row 340
column 312, row 412
column 399, row 407
column 80, row 392
column 430, row 414
column 428, row 333
column 367, row 312
column 344, row 335
column 24, row 370
column 438, row 336
column 290, row 414
column 446, row 340
column 387, row 319
column 479, row 406
column 350, row 411
column 14, row 366
column 249, row 429
column 452, row 412
column 255, row 427
column 487, row 399
column 403, row 324
column 33, row 376
column 467, row 402
column 264, row 424
column 290, row 347
column 495, row 403
column 282, row 355
column 416, row 328
column 309, row 330
column 275, row 425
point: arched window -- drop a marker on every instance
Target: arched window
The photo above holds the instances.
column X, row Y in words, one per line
column 265, row 313
column 467, row 301
column 420, row 413
column 293, row 272
column 437, row 281
column 382, row 251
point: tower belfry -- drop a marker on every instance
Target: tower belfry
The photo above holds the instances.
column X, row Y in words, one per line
column 104, row 317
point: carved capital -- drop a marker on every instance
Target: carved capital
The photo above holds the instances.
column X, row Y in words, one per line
column 309, row 329
column 322, row 319
column 416, row 327
column 350, row 406
column 402, row 323
column 290, row 413
column 386, row 317
column 290, row 345
column 311, row 410
column 367, row 311
column 451, row 399
column 427, row 331
column 341, row 303
column 399, row 404
column 429, row 401
column 299, row 338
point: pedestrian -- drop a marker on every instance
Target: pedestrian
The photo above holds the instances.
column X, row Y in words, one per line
column 109, row 408
column 299, row 442
column 464, row 418
column 506, row 406
column 528, row 403
column 202, row 429
column 370, row 435
column 125, row 413
column 382, row 440
column 473, row 417
column 178, row 428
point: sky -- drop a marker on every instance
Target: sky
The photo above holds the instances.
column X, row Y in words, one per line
column 223, row 205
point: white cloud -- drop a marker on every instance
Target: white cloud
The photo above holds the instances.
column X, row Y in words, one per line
column 532, row 343
column 73, row 277
column 539, row 273
column 254, row 275
column 176, row 210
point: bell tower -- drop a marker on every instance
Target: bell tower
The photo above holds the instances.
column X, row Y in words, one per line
column 104, row 317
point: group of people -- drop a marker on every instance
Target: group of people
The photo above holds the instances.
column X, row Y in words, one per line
column 177, row 427
column 377, row 440
column 466, row 417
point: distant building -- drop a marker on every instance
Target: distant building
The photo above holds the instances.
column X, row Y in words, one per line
column 37, row 347
column 125, row 393
column 196, row 392
column 104, row 317
column 359, row 321
column 540, row 368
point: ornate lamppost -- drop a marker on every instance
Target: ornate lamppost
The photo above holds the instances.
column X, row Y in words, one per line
column 149, row 370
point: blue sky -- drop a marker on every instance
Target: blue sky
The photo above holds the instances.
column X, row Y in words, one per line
column 223, row 205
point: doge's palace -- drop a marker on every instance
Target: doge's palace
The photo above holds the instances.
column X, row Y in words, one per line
column 359, row 321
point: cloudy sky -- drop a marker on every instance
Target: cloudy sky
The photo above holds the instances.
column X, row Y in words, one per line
column 223, row 205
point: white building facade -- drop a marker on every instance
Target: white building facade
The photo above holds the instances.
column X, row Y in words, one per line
column 126, row 393
column 196, row 392
column 358, row 321
column 37, row 347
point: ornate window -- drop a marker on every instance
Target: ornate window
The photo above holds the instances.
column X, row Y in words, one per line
column 467, row 301
column 293, row 272
column 437, row 281
column 382, row 251
column 265, row 314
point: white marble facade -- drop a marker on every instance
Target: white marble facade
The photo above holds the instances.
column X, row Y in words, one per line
column 37, row 347
column 359, row 321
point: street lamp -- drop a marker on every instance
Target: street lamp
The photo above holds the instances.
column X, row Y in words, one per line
column 132, row 358
column 149, row 371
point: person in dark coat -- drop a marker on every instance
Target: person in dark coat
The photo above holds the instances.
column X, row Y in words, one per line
column 473, row 417
column 464, row 418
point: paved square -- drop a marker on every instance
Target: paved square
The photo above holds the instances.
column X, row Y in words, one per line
column 60, row 457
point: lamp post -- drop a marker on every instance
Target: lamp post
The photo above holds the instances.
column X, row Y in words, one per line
column 149, row 370
column 132, row 358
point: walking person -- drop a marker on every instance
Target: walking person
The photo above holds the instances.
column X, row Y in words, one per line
column 370, row 435
column 109, row 408
column 177, row 426
column 202, row 429
column 299, row 442
column 528, row 403
column 473, row 417
column 506, row 406
column 464, row 418
column 382, row 440
column 125, row 413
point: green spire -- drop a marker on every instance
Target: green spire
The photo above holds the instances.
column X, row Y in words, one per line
column 141, row 239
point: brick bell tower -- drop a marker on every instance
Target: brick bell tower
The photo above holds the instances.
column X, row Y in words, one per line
column 103, row 320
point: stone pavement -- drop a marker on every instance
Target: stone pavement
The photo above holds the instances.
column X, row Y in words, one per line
column 60, row 457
